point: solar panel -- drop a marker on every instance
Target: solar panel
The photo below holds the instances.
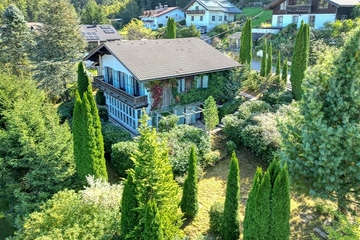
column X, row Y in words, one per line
column 109, row 31
column 105, row 26
column 90, row 35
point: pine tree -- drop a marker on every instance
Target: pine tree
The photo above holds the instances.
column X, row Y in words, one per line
column 300, row 60
column 153, row 227
column 189, row 201
column 280, row 205
column 284, row 74
column 16, row 41
column 245, row 55
column 263, row 60
column 211, row 116
column 269, row 60
column 230, row 223
column 153, row 178
column 82, row 80
column 171, row 28
column 129, row 216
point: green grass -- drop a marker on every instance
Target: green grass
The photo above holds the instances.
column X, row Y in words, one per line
column 265, row 15
column 5, row 229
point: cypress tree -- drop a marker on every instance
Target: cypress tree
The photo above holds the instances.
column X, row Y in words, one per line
column 263, row 208
column 269, row 60
column 171, row 28
column 280, row 206
column 263, row 60
column 277, row 71
column 230, row 222
column 189, row 202
column 284, row 73
column 129, row 217
column 246, row 43
column 153, row 227
column 274, row 170
column 300, row 60
column 82, row 80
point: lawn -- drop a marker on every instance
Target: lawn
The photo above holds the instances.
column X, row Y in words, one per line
column 259, row 15
column 212, row 188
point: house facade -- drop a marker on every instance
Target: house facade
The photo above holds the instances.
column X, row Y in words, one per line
column 314, row 12
column 155, row 75
column 206, row 14
column 154, row 19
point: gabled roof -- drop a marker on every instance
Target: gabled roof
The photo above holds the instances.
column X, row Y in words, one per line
column 213, row 5
column 158, row 12
column 273, row 4
column 344, row 3
column 165, row 58
column 102, row 33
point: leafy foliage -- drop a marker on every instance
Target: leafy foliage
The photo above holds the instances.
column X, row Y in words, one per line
column 167, row 123
column 135, row 30
column 153, row 226
column 93, row 14
column 121, row 156
column 216, row 216
column 210, row 112
column 171, row 28
column 246, row 43
column 230, row 107
column 113, row 134
column 185, row 32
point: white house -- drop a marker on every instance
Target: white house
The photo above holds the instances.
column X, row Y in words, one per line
column 155, row 75
column 314, row 12
column 207, row 14
column 154, row 19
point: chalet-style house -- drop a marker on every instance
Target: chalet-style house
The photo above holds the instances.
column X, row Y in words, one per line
column 154, row 19
column 206, row 14
column 154, row 74
column 99, row 33
column 313, row 12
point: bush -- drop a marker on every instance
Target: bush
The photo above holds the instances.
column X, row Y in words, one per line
column 99, row 97
column 216, row 217
column 120, row 156
column 230, row 107
column 211, row 158
column 275, row 97
column 113, row 134
column 65, row 111
column 247, row 109
column 230, row 146
column 103, row 113
column 167, row 123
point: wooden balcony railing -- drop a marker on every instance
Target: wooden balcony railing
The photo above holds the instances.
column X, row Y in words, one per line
column 195, row 11
column 298, row 8
column 133, row 101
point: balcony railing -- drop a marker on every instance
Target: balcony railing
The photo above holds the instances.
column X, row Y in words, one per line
column 195, row 12
column 133, row 101
column 298, row 8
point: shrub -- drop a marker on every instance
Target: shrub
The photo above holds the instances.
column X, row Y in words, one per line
column 216, row 215
column 274, row 97
column 230, row 107
column 120, row 156
column 221, row 29
column 103, row 113
column 65, row 111
column 167, row 123
column 230, row 146
column 212, row 157
column 99, row 97
column 248, row 108
column 113, row 134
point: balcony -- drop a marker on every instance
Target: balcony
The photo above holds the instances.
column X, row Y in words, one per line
column 195, row 12
column 133, row 101
column 298, row 8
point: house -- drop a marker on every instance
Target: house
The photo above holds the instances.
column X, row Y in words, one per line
column 99, row 33
column 207, row 14
column 155, row 74
column 154, row 19
column 313, row 12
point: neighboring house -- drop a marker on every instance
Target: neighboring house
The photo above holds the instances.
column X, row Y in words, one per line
column 313, row 12
column 155, row 74
column 154, row 19
column 207, row 14
column 99, row 33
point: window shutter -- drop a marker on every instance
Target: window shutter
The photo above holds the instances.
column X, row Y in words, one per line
column 205, row 81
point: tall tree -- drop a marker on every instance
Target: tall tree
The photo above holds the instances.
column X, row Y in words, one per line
column 230, row 227
column 284, row 73
column 277, row 70
column 269, row 60
column 82, row 79
column 211, row 116
column 171, row 28
column 36, row 155
column 16, row 41
column 323, row 157
column 263, row 209
column 59, row 46
column 300, row 60
column 245, row 55
column 263, row 60
column 154, row 179
column 153, row 226
column 135, row 30
column 93, row 14
column 189, row 201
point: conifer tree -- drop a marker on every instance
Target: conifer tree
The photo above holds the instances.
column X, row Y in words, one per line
column 189, row 201
column 263, row 60
column 300, row 60
column 82, row 80
column 211, row 116
column 263, row 208
column 274, row 169
column 171, row 28
column 153, row 178
column 284, row 74
column 280, row 205
column 230, row 222
column 153, row 226
column 245, row 55
column 269, row 60
column 129, row 216
column 277, row 70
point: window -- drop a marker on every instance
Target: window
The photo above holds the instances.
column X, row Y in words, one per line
column 220, row 18
column 213, row 18
column 343, row 17
column 192, row 18
column 225, row 18
column 196, row 8
column 122, row 80
column 201, row 18
column 295, row 19
column 116, row 78
column 323, row 4
column 109, row 75
column 280, row 21
column 136, row 88
column 202, row 81
column 181, row 85
column 283, row 6
column 312, row 20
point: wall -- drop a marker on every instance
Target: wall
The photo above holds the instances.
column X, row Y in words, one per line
column 320, row 19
